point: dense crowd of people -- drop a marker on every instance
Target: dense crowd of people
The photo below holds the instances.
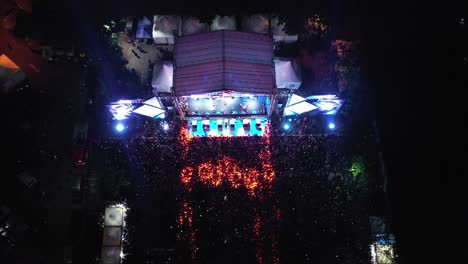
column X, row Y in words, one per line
column 311, row 212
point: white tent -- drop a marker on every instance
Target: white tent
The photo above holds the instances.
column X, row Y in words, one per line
column 257, row 23
column 223, row 22
column 162, row 76
column 286, row 75
column 111, row 255
column 144, row 28
column 192, row 25
column 112, row 236
column 113, row 216
column 279, row 34
column 164, row 28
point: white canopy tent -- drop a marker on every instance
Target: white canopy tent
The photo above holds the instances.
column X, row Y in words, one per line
column 223, row 22
column 113, row 216
column 287, row 76
column 257, row 23
column 162, row 76
column 144, row 28
column 192, row 25
column 112, row 236
column 278, row 31
column 164, row 28
column 111, row 255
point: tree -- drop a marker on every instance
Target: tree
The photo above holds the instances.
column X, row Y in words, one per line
column 359, row 172
column 317, row 27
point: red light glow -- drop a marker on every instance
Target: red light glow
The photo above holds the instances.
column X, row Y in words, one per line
column 256, row 180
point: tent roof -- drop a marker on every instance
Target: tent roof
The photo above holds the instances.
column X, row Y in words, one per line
column 223, row 23
column 278, row 31
column 224, row 60
column 112, row 236
column 5, row 62
column 144, row 28
column 164, row 27
column 111, row 255
column 257, row 23
column 162, row 76
column 192, row 25
column 113, row 216
column 286, row 75
column 144, row 21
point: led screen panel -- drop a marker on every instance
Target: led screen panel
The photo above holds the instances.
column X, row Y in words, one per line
column 149, row 111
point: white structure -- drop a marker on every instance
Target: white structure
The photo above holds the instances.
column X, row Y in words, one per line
column 144, row 28
column 112, row 235
column 191, row 26
column 279, row 34
column 164, row 28
column 258, row 23
column 163, row 72
column 223, row 23
column 287, row 76
column 113, row 216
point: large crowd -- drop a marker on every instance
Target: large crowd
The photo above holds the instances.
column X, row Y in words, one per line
column 311, row 214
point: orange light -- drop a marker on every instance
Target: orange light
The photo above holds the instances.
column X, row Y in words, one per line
column 230, row 171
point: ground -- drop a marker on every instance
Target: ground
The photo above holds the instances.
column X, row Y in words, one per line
column 140, row 64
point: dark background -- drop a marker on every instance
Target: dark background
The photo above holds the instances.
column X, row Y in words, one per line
column 413, row 61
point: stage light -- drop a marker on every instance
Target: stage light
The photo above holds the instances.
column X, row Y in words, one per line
column 286, row 126
column 166, row 127
column 119, row 127
column 331, row 125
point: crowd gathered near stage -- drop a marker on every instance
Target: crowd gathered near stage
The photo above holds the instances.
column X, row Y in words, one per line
column 312, row 209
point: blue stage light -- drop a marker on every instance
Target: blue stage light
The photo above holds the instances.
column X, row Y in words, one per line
column 119, row 127
column 286, row 126
column 331, row 125
column 166, row 127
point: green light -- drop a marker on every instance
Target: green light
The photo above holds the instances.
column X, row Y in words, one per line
column 357, row 168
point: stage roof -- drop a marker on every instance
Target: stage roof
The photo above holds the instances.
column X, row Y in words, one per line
column 224, row 60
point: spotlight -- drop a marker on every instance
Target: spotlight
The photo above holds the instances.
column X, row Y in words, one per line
column 331, row 125
column 286, row 126
column 119, row 127
column 166, row 127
